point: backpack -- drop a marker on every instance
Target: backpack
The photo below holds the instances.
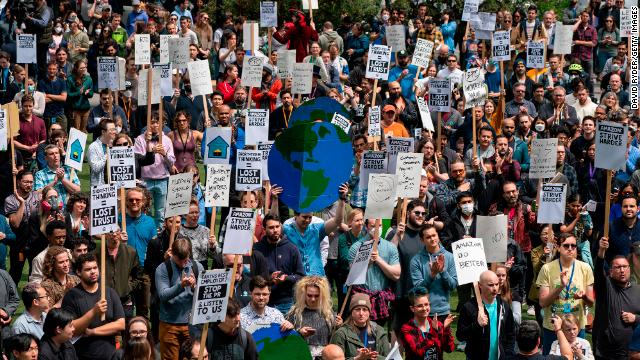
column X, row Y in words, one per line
column 167, row 264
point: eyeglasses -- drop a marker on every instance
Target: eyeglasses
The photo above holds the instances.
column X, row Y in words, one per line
column 138, row 332
column 569, row 246
column 420, row 213
column 43, row 296
column 134, row 200
column 620, row 267
column 451, row 60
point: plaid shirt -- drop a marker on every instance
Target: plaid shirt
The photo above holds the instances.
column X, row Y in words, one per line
column 587, row 33
column 46, row 176
column 416, row 347
column 379, row 301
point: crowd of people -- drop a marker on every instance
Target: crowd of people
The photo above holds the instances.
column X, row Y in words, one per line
column 560, row 281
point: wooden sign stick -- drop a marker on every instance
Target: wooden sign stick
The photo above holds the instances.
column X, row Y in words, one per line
column 123, row 211
column 149, row 90
column 607, row 205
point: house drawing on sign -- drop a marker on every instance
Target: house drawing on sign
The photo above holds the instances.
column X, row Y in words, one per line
column 217, row 148
column 76, row 151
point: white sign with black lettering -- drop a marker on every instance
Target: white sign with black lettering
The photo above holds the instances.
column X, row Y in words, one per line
column 4, row 131
column 108, row 73
column 501, row 46
column 535, row 54
column 178, row 194
column 611, row 146
column 249, row 170
column 200, row 76
column 396, row 37
column 374, row 129
column 360, row 265
column 475, row 90
column 122, row 64
column 302, row 78
column 409, row 171
column 625, row 22
column 469, row 259
column 422, row 53
column 372, row 162
column 378, row 62
column 396, row 145
column 104, row 209
column 493, row 232
column 122, row 167
column 250, row 37
column 563, row 38
column 342, row 122
column 211, row 296
column 218, row 185
column 26, row 49
column 252, row 71
column 381, row 196
column 257, row 129
column 239, row 236
column 142, row 49
column 166, row 81
column 76, row 147
column 179, row 52
column 483, row 21
column 155, row 86
column 470, row 7
column 439, row 95
column 164, row 47
column 552, row 204
column 268, row 14
column 425, row 114
column 265, row 147
column 286, row 60
column 543, row 158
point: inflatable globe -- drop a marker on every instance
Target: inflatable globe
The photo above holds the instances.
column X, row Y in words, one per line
column 321, row 108
column 277, row 345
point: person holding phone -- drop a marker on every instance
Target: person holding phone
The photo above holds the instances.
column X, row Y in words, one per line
column 580, row 347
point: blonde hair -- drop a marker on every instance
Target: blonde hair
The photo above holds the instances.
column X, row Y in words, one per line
column 324, row 300
column 570, row 319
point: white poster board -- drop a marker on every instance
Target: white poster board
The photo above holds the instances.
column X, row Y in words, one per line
column 440, row 95
column 218, row 185
column 302, row 77
column 108, row 73
column 211, row 296
column 396, row 37
column 378, row 62
column 257, row 128
column 409, row 173
column 563, row 38
column 396, row 145
column 252, row 71
column 469, row 259
column 552, row 204
column 493, row 232
column 164, row 47
column 342, row 122
column 535, row 54
column 4, row 130
column 360, row 265
column 200, row 76
column 156, row 80
column 625, row 22
column 26, row 49
column 268, row 14
column 166, row 79
column 142, row 49
column 475, row 90
column 422, row 53
column 470, row 7
column 248, row 170
column 178, row 194
column 374, row 129
column 306, row 4
column 544, row 154
column 425, row 114
column 76, row 147
column 265, row 147
column 179, row 52
column 239, row 236
column 286, row 60
column 122, row 64
column 122, row 167
column 218, row 145
column 250, row 36
column 501, row 46
column 611, row 145
column 381, row 196
column 372, row 162
column 104, row 209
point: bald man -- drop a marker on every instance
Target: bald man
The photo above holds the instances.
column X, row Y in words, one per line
column 489, row 334
column 332, row 352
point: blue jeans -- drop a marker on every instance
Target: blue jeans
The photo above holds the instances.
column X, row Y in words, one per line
column 158, row 190
column 548, row 337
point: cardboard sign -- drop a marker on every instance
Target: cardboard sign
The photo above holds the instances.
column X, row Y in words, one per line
column 249, row 170
column 535, row 54
column 166, row 79
column 252, row 71
column 156, row 78
column 286, row 60
column 218, row 145
column 200, row 76
column 409, row 173
column 396, row 37
column 268, row 14
column 543, row 158
column 76, row 147
column 469, row 259
column 440, row 95
column 470, row 7
column 4, row 130
column 122, row 167
column 179, row 52
column 250, row 36
column 143, row 49
column 374, row 129
column 378, row 62
column 257, row 129
column 360, row 265
column 493, row 232
column 164, row 47
column 396, row 145
column 211, row 296
column 342, row 122
column 178, row 194
column 611, row 146
column 265, row 147
column 309, row 4
column 425, row 114
column 104, row 209
column 422, row 53
column 381, row 196
column 563, row 38
column 373, row 162
column 26, row 49
column 475, row 90
column 218, row 185
column 552, row 204
column 122, row 64
column 483, row 21
column 501, row 46
column 240, row 225
column 108, row 73
column 302, row 77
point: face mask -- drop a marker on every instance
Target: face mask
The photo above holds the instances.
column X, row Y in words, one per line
column 539, row 127
column 31, row 88
column 246, row 269
column 127, row 93
column 467, row 209
column 615, row 68
column 98, row 31
column 385, row 17
column 58, row 29
column 118, row 129
column 51, row 204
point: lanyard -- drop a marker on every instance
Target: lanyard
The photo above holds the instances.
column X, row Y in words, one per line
column 366, row 338
column 423, row 334
column 573, row 267
column 286, row 120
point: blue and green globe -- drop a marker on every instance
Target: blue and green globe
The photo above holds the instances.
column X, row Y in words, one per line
column 309, row 161
column 322, row 108
column 276, row 345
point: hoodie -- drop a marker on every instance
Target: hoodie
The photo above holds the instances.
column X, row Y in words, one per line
column 330, row 36
column 285, row 257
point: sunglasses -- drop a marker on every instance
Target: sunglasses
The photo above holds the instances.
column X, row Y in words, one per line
column 569, row 246
column 420, row 213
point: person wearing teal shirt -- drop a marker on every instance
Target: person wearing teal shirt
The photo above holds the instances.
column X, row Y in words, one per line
column 405, row 74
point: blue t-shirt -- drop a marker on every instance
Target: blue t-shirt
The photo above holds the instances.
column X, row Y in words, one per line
column 55, row 87
column 308, row 245
column 492, row 309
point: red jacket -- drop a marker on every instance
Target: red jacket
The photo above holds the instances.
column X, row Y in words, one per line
column 298, row 36
column 269, row 98
column 415, row 345
column 227, row 90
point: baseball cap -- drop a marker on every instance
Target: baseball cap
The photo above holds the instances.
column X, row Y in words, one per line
column 403, row 53
column 389, row 107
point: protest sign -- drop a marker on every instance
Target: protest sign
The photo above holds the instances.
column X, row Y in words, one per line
column 252, row 71
column 439, row 95
column 373, row 128
column 360, row 265
column 474, row 88
column 625, row 22
column 493, row 232
column 122, row 167
column 122, row 81
column 142, row 49
column 611, row 145
column 422, row 53
column 535, row 54
column 108, row 73
column 286, row 60
column 200, row 76
column 469, row 259
column 76, row 146
column 373, row 162
column 543, row 158
column 483, row 24
column 563, row 38
column 218, row 145
column 4, row 130
column 142, row 86
column 306, row 4
column 26, row 49
column 218, row 185
column 178, row 194
column 179, row 52
column 409, row 174
column 257, row 128
column 378, row 62
column 268, row 14
column 166, row 80
column 302, row 77
column 395, row 354
column 239, row 236
column 248, row 170
column 164, row 47
column 396, row 145
column 104, row 204
column 501, row 45
column 425, row 114
column 470, row 7
column 341, row 122
column 552, row 204
column 396, row 37
column 250, row 36
column 211, row 296
column 265, row 147
column 381, row 196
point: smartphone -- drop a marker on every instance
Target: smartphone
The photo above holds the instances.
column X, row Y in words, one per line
column 311, row 331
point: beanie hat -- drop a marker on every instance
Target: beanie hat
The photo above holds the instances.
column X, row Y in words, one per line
column 360, row 299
